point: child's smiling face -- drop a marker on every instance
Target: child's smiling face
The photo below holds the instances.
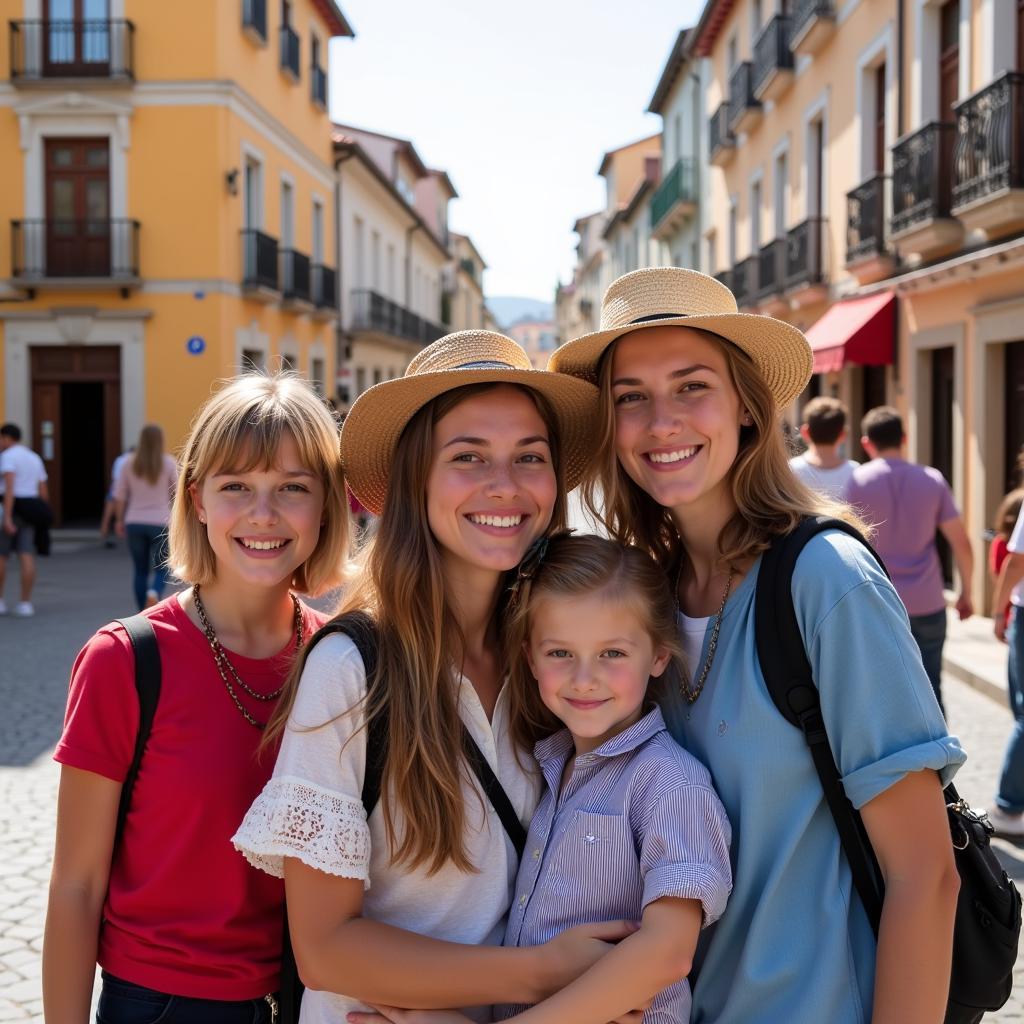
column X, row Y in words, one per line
column 592, row 658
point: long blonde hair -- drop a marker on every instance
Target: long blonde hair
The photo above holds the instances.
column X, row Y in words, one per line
column 148, row 461
column 770, row 500
column 582, row 567
column 401, row 584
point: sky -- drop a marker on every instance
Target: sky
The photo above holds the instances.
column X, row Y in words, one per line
column 517, row 102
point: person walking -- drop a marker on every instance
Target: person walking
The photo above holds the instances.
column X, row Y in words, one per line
column 142, row 507
column 822, row 467
column 108, row 518
column 906, row 504
column 22, row 475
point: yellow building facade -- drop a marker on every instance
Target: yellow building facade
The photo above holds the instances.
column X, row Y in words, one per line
column 167, row 188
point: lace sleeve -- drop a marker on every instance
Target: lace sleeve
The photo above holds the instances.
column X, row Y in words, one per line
column 296, row 818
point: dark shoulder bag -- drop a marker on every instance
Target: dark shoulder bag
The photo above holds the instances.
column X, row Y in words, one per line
column 988, row 913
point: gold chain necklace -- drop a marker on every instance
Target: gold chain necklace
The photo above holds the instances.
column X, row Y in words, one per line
column 692, row 693
column 223, row 663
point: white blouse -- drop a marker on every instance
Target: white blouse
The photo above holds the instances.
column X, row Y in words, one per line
column 311, row 809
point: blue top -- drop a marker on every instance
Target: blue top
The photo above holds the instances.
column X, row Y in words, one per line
column 637, row 820
column 794, row 945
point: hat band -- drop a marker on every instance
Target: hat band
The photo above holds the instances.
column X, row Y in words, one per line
column 485, row 364
column 656, row 316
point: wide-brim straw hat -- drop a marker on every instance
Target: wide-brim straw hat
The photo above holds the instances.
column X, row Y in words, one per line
column 377, row 418
column 673, row 296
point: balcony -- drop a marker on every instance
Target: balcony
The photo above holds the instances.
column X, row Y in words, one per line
column 773, row 60
column 922, row 224
column 88, row 50
column 259, row 265
column 721, row 141
column 254, row 20
column 725, row 277
column 744, row 281
column 804, row 269
column 814, row 21
column 371, row 311
column 295, row 278
column 988, row 158
column 290, row 52
column 675, row 200
column 868, row 257
column 744, row 110
column 325, row 288
column 318, row 86
column 75, row 253
column 771, row 273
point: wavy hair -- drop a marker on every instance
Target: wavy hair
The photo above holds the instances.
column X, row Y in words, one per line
column 770, row 500
column 401, row 584
column 148, row 460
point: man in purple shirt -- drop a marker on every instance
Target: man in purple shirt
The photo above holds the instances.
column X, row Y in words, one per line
column 906, row 504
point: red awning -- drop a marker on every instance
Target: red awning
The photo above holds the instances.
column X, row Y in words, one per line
column 861, row 331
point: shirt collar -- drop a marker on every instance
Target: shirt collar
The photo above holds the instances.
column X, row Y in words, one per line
column 560, row 746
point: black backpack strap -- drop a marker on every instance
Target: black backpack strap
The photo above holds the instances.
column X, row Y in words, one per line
column 790, row 681
column 147, row 686
column 494, row 792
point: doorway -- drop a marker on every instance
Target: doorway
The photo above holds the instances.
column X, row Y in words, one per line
column 1013, row 420
column 77, row 36
column 77, row 208
column 942, row 391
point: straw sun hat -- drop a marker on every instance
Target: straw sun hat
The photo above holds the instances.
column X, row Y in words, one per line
column 671, row 297
column 378, row 417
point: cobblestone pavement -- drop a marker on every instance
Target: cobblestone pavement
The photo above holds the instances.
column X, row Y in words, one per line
column 78, row 591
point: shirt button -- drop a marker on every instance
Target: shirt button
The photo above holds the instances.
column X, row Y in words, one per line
column 522, row 900
column 536, row 854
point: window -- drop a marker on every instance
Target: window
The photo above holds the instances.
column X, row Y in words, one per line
column 755, row 217
column 732, row 53
column 318, row 231
column 712, row 252
column 288, row 363
column 756, row 20
column 360, row 255
column 316, row 375
column 732, row 232
column 377, row 376
column 375, row 260
column 253, row 194
column 815, row 168
column 679, row 137
column 781, row 172
column 391, row 272
column 360, row 380
column 317, row 75
column 254, row 20
column 287, row 215
column 289, row 42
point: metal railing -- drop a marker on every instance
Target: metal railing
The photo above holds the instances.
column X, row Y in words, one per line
column 254, row 17
column 741, row 93
column 318, row 85
column 679, row 186
column 78, row 48
column 803, row 253
column 719, row 133
column 744, row 281
column 771, row 51
column 290, row 50
column 325, row 287
column 55, row 247
column 771, row 268
column 988, row 155
column 295, row 276
column 805, row 10
column 865, row 219
column 259, row 260
column 921, row 175
column 372, row 311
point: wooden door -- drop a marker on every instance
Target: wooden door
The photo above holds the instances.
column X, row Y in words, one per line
column 1013, row 420
column 1020, row 35
column 942, row 438
column 77, row 208
column 77, row 34
column 880, row 119
column 45, row 432
column 949, row 58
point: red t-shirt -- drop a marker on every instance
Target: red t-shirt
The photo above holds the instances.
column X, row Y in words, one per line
column 184, row 913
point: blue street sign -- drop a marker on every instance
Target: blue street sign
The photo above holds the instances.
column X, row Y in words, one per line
column 196, row 345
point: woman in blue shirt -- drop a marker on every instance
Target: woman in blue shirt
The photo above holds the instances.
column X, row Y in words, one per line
column 693, row 468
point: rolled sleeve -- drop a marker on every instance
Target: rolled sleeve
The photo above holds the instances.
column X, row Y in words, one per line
column 944, row 756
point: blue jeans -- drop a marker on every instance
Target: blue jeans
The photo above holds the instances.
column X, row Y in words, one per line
column 930, row 634
column 123, row 1002
column 148, row 547
column 1010, row 796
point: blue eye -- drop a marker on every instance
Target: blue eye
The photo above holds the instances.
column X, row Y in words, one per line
column 559, row 652
column 614, row 654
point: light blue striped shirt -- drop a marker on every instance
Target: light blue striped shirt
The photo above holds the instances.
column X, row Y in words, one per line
column 637, row 820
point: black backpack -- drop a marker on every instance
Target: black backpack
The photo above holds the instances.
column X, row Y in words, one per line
column 360, row 629
column 988, row 913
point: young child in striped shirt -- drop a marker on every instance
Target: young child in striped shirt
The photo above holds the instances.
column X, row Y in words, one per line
column 628, row 825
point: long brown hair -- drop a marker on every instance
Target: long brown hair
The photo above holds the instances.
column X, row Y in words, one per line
column 770, row 500
column 401, row 583
column 148, row 461
column 1006, row 514
column 581, row 567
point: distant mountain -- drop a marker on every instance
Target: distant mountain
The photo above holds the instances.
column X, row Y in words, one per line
column 507, row 309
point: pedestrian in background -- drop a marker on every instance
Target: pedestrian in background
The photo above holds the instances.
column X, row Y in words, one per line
column 142, row 509
column 22, row 475
column 998, row 551
column 107, row 520
column 907, row 504
column 183, row 928
column 823, row 467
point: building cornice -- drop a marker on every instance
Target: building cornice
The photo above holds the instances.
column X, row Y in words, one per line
column 677, row 60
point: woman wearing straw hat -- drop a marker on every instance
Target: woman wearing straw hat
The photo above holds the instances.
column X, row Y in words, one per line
column 692, row 467
column 466, row 460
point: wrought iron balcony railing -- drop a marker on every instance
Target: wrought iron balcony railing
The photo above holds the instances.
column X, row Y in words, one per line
column 988, row 155
column 295, row 276
column 741, row 93
column 865, row 219
column 679, row 186
column 76, row 48
column 771, row 51
column 254, row 17
column 744, row 281
column 771, row 269
column 804, row 11
column 372, row 311
column 318, row 85
column 325, row 287
column 93, row 248
column 719, row 133
column 290, row 50
column 259, row 260
column 803, row 253
column 921, row 175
